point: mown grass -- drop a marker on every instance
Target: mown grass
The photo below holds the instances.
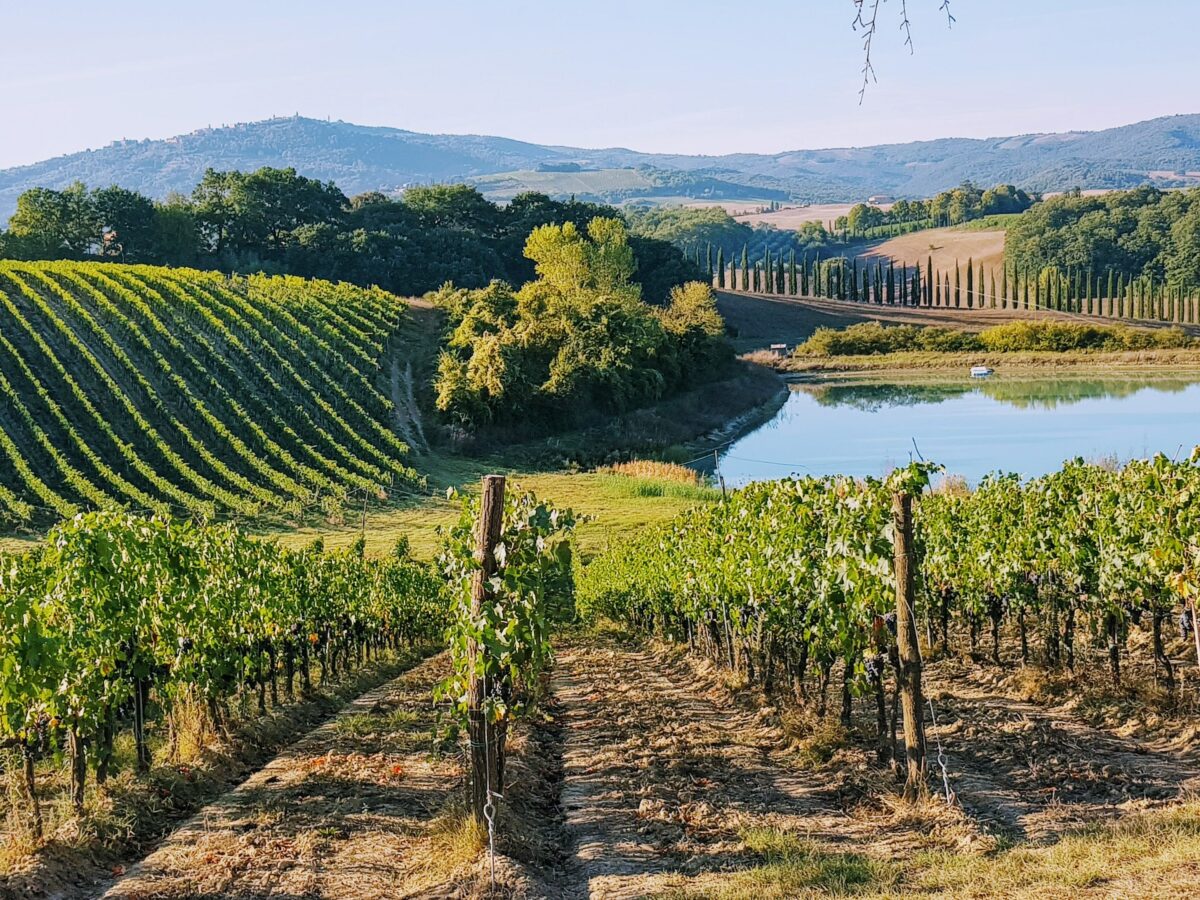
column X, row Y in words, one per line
column 1171, row 362
column 1144, row 854
column 615, row 505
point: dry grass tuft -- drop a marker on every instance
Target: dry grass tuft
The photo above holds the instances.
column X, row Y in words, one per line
column 815, row 740
column 649, row 468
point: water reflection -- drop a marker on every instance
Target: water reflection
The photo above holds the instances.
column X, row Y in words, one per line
column 1021, row 393
column 1024, row 425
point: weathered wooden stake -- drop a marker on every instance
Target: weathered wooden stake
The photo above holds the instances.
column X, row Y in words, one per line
column 911, row 700
column 487, row 742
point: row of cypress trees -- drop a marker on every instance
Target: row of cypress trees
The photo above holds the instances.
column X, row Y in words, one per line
column 886, row 283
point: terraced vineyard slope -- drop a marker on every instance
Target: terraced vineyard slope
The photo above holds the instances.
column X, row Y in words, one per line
column 174, row 390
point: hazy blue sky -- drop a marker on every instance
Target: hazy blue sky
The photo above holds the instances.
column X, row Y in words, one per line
column 657, row 75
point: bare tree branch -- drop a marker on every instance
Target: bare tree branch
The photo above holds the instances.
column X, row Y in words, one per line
column 866, row 20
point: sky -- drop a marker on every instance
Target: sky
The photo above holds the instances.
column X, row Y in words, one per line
column 687, row 76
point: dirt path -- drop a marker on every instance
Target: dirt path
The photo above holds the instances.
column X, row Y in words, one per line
column 661, row 772
column 1030, row 772
column 339, row 814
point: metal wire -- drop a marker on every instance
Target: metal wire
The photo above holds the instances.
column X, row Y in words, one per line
column 941, row 756
column 489, row 808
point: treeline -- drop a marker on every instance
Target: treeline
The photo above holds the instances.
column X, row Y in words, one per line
column 888, row 283
column 701, row 231
column 1143, row 234
column 953, row 207
column 575, row 341
column 279, row 222
column 707, row 229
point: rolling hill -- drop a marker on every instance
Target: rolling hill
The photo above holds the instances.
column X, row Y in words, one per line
column 1164, row 151
column 174, row 390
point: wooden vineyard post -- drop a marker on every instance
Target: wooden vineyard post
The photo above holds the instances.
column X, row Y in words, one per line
column 911, row 701
column 487, row 741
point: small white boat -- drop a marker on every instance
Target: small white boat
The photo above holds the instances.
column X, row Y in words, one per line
column 980, row 371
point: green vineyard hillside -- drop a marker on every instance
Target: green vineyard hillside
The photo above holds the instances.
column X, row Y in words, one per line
column 192, row 393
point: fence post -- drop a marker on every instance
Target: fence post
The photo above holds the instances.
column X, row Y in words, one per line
column 487, row 742
column 911, row 700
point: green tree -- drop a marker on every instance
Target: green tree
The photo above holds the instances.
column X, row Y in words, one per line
column 56, row 224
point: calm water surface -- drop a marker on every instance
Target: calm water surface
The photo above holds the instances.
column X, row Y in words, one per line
column 971, row 426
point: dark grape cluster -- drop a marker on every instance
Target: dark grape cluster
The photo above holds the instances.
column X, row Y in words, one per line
column 1133, row 611
column 875, row 666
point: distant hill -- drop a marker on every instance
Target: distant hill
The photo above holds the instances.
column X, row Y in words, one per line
column 1163, row 151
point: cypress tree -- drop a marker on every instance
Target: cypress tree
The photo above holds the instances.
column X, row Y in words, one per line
column 1120, row 295
column 1026, row 278
column 854, row 279
column 946, row 289
column 891, row 283
column 904, row 284
column 780, row 274
column 804, row 275
column 957, row 285
column 721, row 267
column 970, row 283
column 792, row 286
column 929, row 280
column 992, row 304
column 745, row 268
column 768, row 272
column 708, row 261
column 980, row 298
column 1003, row 285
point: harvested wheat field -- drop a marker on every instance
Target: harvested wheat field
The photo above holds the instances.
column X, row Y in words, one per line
column 945, row 245
column 791, row 218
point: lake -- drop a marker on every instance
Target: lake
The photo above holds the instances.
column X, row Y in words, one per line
column 1027, row 425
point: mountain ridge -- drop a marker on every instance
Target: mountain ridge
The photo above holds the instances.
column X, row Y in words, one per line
column 1163, row 151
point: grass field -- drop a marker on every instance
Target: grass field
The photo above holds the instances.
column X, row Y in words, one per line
column 612, row 504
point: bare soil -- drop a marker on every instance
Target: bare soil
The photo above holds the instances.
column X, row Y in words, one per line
column 336, row 815
column 665, row 771
column 649, row 773
column 1031, row 772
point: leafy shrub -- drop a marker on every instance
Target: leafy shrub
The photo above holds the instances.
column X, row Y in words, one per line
column 868, row 338
column 1063, row 336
